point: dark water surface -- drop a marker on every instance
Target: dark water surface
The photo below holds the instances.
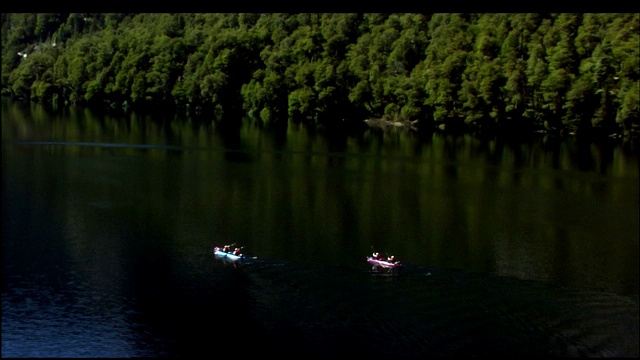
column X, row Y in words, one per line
column 511, row 248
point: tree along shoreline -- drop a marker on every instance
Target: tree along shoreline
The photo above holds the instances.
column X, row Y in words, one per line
column 566, row 74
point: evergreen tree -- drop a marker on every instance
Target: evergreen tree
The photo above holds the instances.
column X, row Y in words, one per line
column 573, row 72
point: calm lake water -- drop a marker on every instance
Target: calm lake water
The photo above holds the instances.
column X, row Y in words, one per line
column 519, row 248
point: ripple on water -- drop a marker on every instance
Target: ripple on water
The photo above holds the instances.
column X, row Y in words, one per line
column 445, row 314
column 317, row 311
column 38, row 321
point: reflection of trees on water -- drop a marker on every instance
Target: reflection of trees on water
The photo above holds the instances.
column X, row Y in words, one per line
column 485, row 204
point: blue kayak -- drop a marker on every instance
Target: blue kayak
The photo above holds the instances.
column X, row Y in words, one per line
column 228, row 257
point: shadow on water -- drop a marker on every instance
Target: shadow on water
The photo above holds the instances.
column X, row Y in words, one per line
column 300, row 310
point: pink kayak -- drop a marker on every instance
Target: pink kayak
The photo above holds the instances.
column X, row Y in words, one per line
column 383, row 263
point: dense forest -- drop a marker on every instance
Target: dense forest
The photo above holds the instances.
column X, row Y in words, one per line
column 565, row 73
